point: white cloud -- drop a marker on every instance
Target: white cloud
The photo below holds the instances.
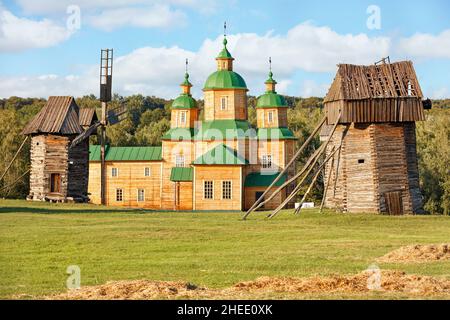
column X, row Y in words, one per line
column 17, row 34
column 112, row 14
column 310, row 88
column 424, row 45
column 155, row 16
column 158, row 71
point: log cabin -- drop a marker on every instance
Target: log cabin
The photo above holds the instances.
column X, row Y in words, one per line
column 216, row 163
column 58, row 172
column 376, row 168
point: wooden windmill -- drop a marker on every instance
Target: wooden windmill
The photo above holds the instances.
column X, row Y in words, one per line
column 59, row 142
column 369, row 143
column 108, row 117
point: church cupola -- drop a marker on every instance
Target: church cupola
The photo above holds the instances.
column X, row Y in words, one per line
column 225, row 91
column 271, row 108
column 224, row 59
column 184, row 111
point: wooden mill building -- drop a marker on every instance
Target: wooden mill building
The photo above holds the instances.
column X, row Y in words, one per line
column 59, row 173
column 216, row 163
column 376, row 169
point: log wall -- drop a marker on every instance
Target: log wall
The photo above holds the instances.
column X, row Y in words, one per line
column 375, row 160
column 375, row 110
column 218, row 174
column 49, row 154
column 79, row 171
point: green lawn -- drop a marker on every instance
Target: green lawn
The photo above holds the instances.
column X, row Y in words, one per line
column 39, row 240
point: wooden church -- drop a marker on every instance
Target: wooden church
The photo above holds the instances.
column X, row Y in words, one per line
column 58, row 172
column 215, row 163
column 376, row 169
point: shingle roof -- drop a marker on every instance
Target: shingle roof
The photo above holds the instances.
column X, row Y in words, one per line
column 126, row 153
column 181, row 174
column 221, row 155
column 392, row 80
column 87, row 116
column 60, row 115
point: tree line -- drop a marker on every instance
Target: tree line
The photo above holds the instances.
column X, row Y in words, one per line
column 148, row 118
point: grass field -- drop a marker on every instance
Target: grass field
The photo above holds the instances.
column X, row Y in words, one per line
column 38, row 241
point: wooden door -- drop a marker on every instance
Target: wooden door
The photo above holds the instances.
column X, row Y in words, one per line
column 394, row 205
column 258, row 194
column 177, row 196
column 55, row 183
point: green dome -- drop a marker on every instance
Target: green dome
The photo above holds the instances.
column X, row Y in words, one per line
column 224, row 54
column 271, row 99
column 184, row 101
column 225, row 79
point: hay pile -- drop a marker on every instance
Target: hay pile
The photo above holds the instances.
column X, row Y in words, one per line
column 391, row 281
column 134, row 290
column 418, row 253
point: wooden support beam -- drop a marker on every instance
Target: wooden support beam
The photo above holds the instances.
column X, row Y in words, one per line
column 14, row 158
column 330, row 156
column 296, row 155
column 326, row 185
column 312, row 158
column 15, row 181
column 322, row 149
column 297, row 188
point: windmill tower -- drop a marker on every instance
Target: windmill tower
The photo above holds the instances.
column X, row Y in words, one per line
column 108, row 116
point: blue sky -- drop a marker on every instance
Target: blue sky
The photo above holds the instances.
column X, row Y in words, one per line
column 41, row 55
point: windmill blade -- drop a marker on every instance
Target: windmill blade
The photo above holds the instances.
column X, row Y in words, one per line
column 85, row 134
column 115, row 116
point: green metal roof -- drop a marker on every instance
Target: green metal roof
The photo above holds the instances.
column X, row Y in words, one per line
column 259, row 179
column 224, row 54
column 221, row 155
column 181, row 174
column 184, row 101
column 177, row 134
column 271, row 99
column 270, row 79
column 225, row 79
column 224, row 129
column 186, row 81
column 275, row 134
column 126, row 153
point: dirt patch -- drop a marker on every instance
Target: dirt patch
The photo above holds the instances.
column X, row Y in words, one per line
column 390, row 281
column 418, row 253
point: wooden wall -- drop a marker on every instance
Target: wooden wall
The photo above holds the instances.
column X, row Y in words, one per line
column 49, row 154
column 170, row 150
column 279, row 117
column 390, row 165
column 237, row 105
column 191, row 117
column 412, row 166
column 218, row 174
column 185, row 194
column 390, row 157
column 375, row 110
column 250, row 197
column 79, row 171
column 130, row 178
